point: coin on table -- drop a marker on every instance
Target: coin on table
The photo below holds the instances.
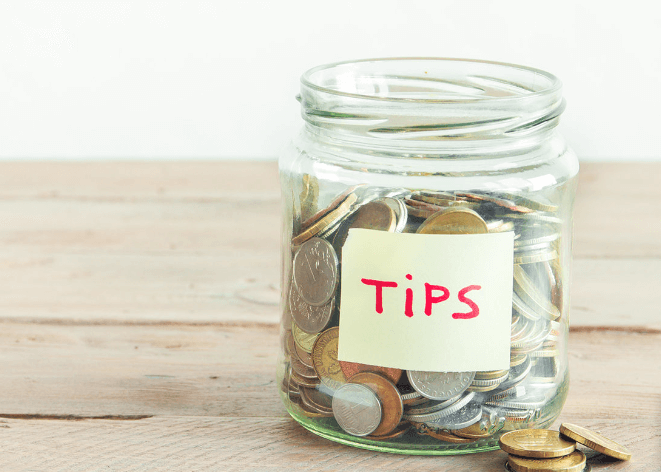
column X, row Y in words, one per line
column 595, row 441
column 311, row 319
column 539, row 443
column 315, row 272
column 324, row 359
column 357, row 409
column 391, row 401
column 352, row 368
column 440, row 385
column 454, row 221
column 574, row 462
column 303, row 340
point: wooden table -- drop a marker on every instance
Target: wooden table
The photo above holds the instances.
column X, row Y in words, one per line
column 139, row 310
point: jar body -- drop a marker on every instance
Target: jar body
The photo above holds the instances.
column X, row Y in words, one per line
column 332, row 185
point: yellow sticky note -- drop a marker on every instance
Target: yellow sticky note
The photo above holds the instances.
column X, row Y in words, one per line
column 431, row 302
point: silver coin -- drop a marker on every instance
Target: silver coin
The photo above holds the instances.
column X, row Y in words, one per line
column 315, row 271
column 489, row 382
column 401, row 213
column 357, row 409
column 440, row 385
column 311, row 319
column 517, row 375
column 431, row 406
column 511, row 393
column 447, row 411
column 465, row 417
column 528, row 402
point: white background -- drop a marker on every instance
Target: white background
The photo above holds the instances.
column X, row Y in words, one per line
column 201, row 79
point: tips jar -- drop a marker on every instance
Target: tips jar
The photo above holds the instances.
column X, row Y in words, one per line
column 426, row 254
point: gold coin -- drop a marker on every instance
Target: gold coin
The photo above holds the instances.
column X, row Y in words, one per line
column 517, row 359
column 391, row 401
column 301, row 369
column 574, row 462
column 441, row 435
column 526, row 289
column 400, row 430
column 454, row 221
column 308, row 196
column 302, row 339
column 534, row 258
column 376, row 215
column 539, row 204
column 304, row 356
column 539, row 443
column 510, row 205
column 324, row 359
column 298, row 381
column 314, row 400
column 500, row 226
column 595, row 441
column 326, row 222
column 352, row 368
column 491, row 374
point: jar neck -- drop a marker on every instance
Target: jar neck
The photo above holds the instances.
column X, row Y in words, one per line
column 430, row 106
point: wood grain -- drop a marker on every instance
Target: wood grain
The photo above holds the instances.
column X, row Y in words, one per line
column 278, row 444
column 124, row 370
column 139, row 310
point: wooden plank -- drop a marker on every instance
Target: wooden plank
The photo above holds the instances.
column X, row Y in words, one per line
column 203, row 443
column 243, row 285
column 617, row 211
column 173, row 369
column 121, row 181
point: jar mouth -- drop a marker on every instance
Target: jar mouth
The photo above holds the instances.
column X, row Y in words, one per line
column 430, row 80
column 430, row 98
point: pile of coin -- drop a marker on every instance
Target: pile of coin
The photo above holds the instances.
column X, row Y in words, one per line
column 543, row 450
column 384, row 403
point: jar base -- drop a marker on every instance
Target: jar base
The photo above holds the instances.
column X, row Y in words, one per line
column 409, row 443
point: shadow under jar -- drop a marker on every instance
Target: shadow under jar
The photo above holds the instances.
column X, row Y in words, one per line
column 426, row 254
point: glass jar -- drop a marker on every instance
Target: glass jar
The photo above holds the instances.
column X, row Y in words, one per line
column 426, row 254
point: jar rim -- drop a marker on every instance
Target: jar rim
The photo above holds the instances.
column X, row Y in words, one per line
column 551, row 86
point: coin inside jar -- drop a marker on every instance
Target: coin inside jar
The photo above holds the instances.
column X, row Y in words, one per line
column 357, row 409
column 324, row 359
column 440, row 385
column 377, row 215
column 539, row 443
column 454, row 221
column 391, row 401
column 352, row 368
column 309, row 318
column 315, row 272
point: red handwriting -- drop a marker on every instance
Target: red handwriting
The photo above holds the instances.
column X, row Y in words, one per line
column 379, row 284
column 430, row 297
column 462, row 298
